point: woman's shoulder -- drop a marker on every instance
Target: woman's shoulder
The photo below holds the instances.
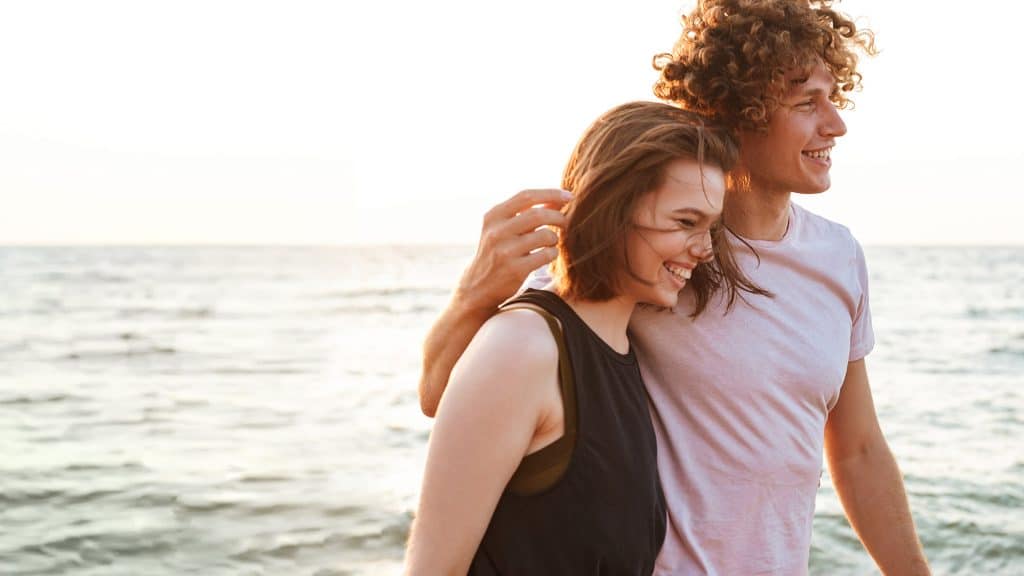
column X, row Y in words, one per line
column 509, row 368
column 521, row 336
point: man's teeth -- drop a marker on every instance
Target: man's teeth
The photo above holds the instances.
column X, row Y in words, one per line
column 818, row 153
column 681, row 273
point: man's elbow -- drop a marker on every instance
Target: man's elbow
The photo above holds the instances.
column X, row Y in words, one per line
column 428, row 409
column 428, row 404
column 856, row 453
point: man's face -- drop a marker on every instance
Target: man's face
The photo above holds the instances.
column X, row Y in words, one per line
column 794, row 154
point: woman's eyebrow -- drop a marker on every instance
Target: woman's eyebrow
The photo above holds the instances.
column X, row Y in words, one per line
column 689, row 210
column 713, row 219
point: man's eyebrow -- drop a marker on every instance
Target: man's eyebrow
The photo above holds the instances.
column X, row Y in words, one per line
column 798, row 87
column 797, row 94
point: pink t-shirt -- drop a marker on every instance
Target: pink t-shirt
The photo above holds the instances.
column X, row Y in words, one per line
column 739, row 402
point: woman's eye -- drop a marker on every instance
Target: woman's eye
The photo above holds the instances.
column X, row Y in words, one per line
column 687, row 223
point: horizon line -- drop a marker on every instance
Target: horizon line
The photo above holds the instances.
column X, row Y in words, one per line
column 440, row 244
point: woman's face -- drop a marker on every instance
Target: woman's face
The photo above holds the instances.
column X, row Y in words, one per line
column 671, row 231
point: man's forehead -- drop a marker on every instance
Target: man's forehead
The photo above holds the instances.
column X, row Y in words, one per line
column 816, row 78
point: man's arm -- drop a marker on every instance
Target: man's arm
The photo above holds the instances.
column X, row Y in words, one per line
column 868, row 480
column 512, row 244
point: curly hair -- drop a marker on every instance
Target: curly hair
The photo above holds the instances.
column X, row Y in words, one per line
column 730, row 62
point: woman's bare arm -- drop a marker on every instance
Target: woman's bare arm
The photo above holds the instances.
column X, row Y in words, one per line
column 502, row 396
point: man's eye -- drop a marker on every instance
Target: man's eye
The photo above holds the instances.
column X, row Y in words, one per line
column 687, row 223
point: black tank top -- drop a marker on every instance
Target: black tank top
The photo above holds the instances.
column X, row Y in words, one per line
column 605, row 515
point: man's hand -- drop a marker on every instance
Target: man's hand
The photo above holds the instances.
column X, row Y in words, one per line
column 513, row 243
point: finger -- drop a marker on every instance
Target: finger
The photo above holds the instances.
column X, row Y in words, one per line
column 527, row 243
column 529, row 220
column 553, row 197
column 539, row 258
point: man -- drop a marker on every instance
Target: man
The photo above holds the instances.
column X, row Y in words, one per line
column 745, row 400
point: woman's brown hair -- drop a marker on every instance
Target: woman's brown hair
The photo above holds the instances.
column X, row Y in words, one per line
column 619, row 159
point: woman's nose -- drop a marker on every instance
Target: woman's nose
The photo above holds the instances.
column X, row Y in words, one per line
column 701, row 248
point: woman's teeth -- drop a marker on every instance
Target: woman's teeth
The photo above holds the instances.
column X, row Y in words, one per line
column 820, row 154
column 681, row 273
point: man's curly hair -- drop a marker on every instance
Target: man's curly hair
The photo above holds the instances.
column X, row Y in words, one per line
column 730, row 62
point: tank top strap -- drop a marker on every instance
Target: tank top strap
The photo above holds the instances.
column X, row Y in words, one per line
column 542, row 469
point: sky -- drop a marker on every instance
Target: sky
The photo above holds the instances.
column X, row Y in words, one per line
column 393, row 122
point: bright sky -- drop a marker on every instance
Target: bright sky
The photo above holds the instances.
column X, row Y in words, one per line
column 400, row 121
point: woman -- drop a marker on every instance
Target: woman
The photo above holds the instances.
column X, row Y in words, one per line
column 543, row 457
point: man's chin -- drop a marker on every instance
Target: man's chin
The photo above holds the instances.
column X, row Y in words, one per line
column 814, row 189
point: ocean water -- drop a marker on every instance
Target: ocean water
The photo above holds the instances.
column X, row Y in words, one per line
column 253, row 410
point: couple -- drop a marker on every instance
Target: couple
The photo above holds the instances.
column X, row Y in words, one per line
column 550, row 455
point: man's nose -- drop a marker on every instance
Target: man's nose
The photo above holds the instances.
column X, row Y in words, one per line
column 833, row 125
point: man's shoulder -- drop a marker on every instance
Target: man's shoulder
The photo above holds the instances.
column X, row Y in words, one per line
column 821, row 229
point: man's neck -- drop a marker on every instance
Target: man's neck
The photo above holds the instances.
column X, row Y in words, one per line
column 756, row 214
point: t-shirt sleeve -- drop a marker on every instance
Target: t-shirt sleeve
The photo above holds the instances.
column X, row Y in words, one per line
column 862, row 337
column 537, row 279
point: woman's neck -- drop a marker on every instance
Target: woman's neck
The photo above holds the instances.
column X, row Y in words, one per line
column 608, row 319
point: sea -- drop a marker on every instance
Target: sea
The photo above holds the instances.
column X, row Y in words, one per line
column 253, row 410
